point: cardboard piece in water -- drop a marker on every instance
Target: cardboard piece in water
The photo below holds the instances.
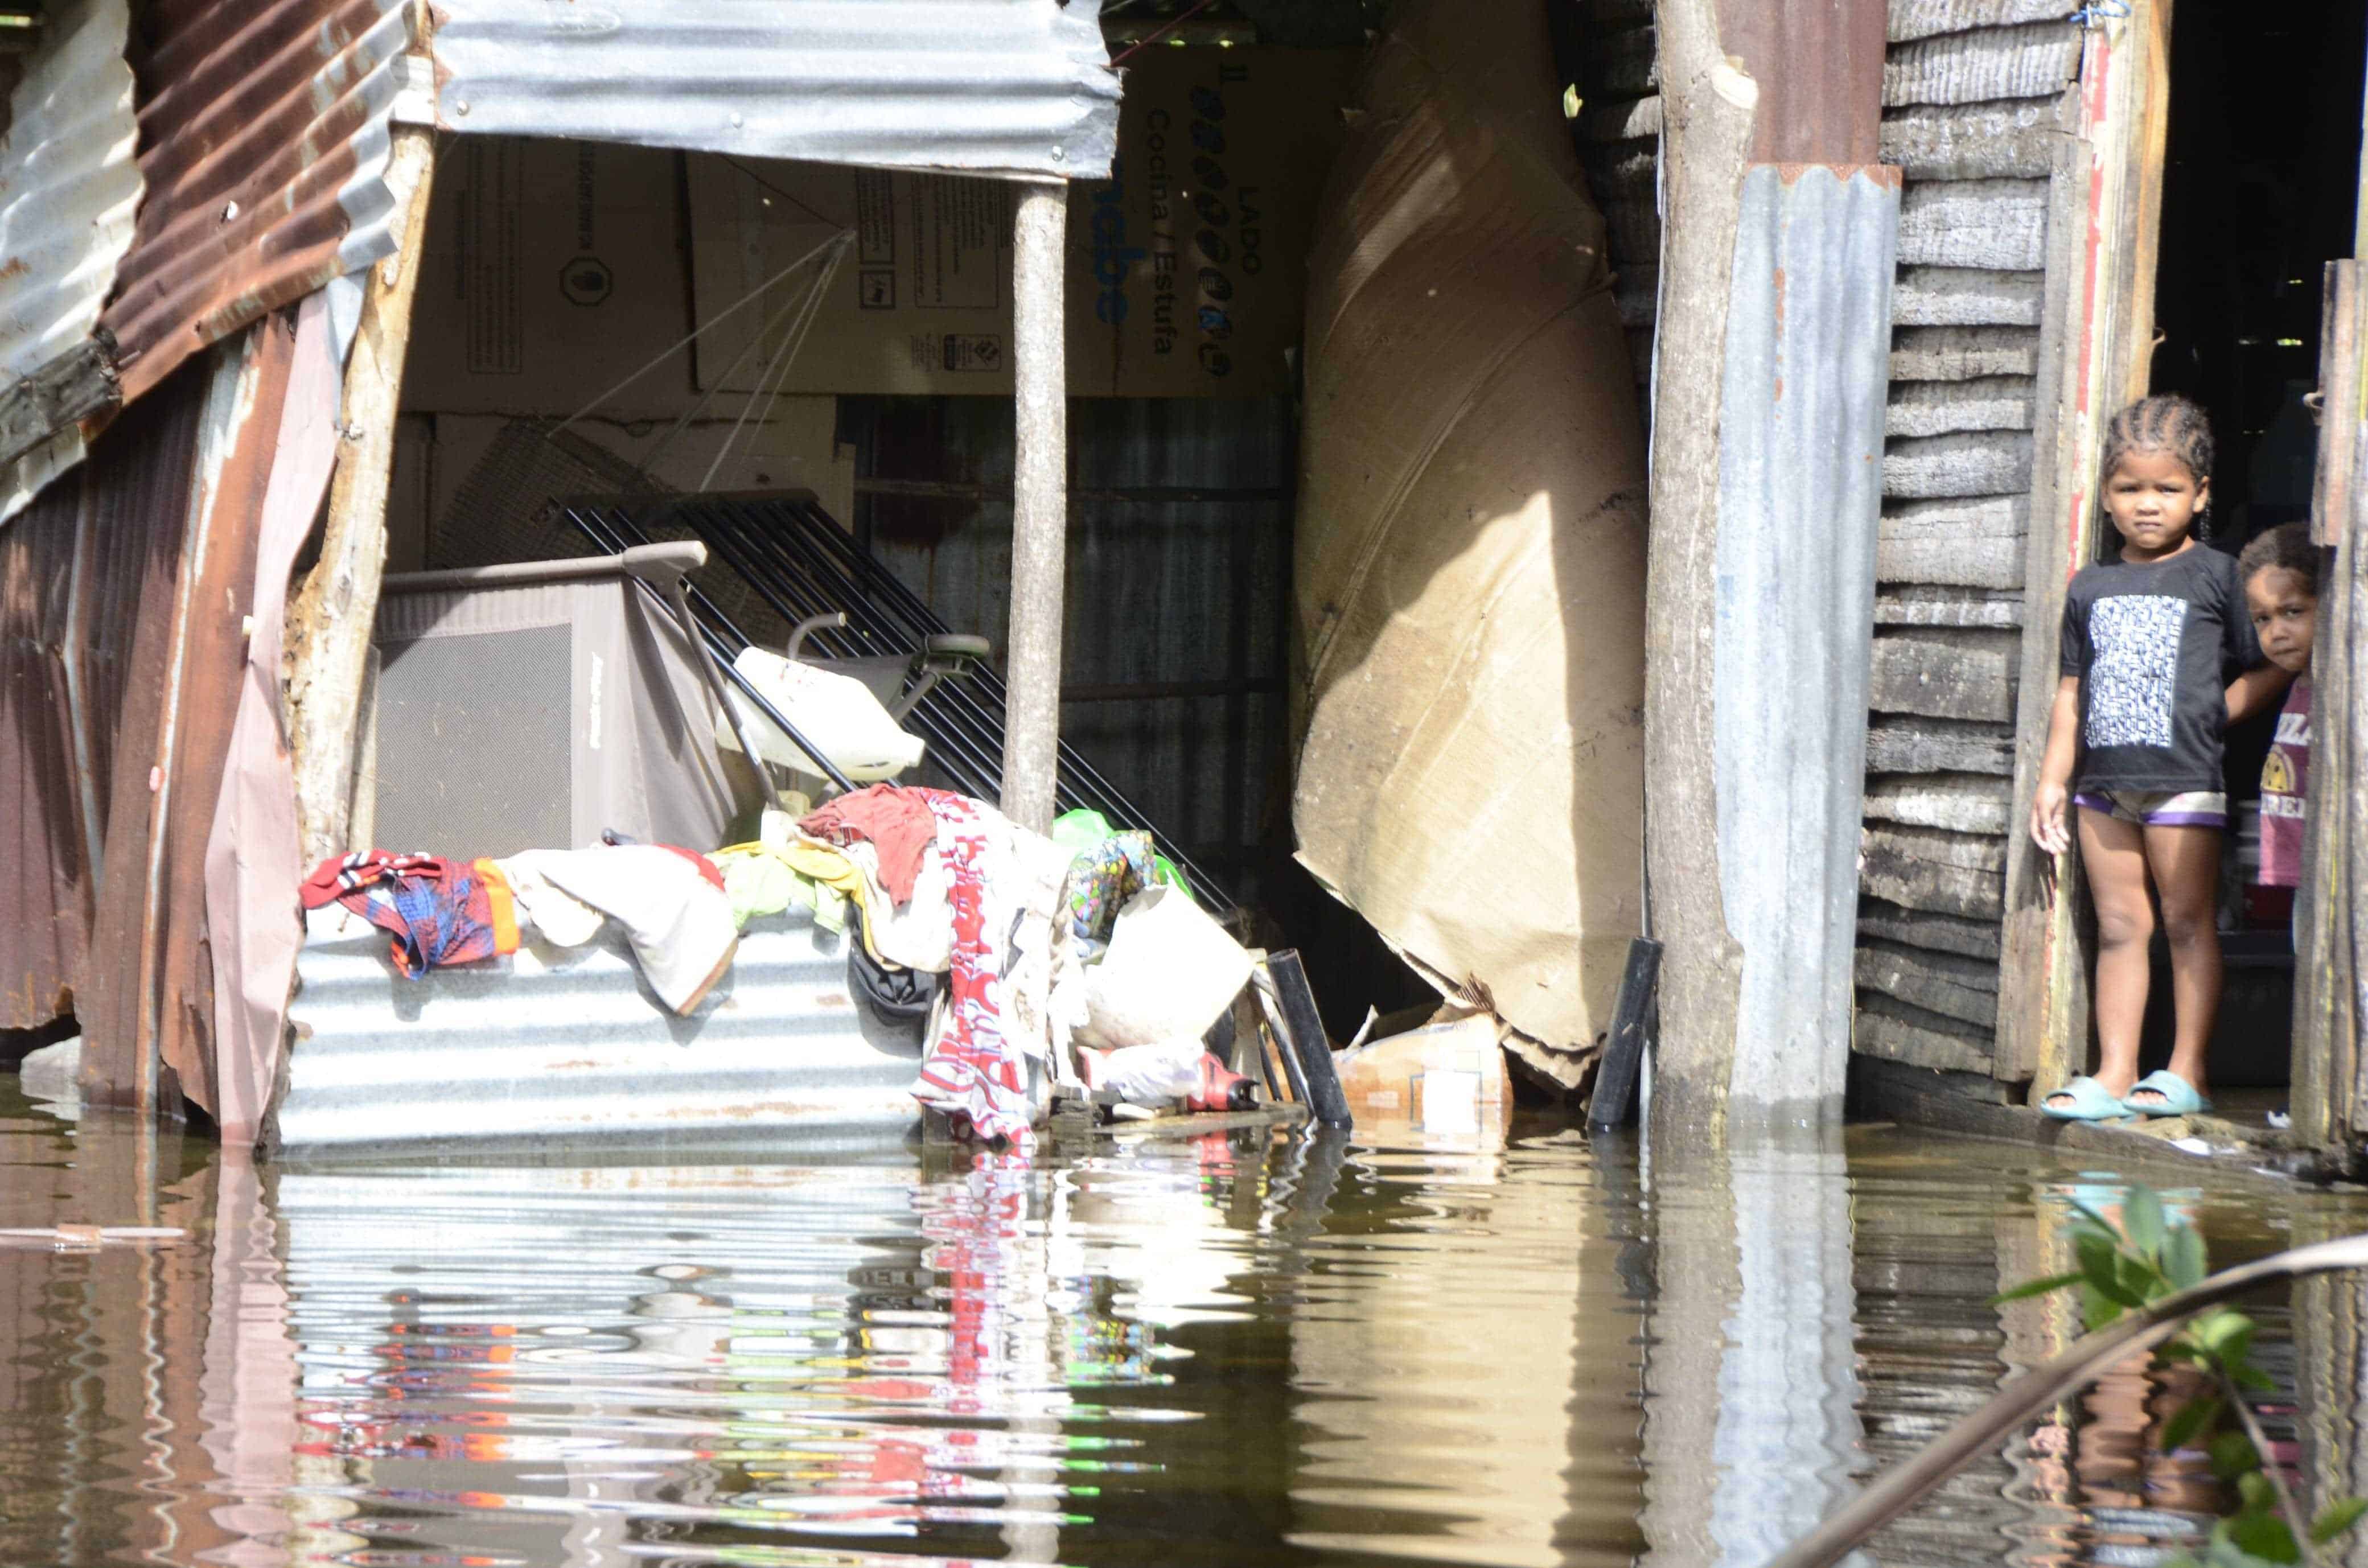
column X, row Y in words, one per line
column 1470, row 546
column 1186, row 268
column 553, row 271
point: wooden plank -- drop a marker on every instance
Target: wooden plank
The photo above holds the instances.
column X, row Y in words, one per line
column 1961, row 803
column 331, row 612
column 1962, row 988
column 1924, row 604
column 1614, row 118
column 79, row 384
column 1984, row 463
column 1936, row 933
column 1941, row 408
column 1625, row 64
column 1912, row 19
column 1623, row 170
column 2096, row 354
column 2015, row 140
column 1972, row 543
column 1996, row 224
column 1956, row 296
column 1635, row 228
column 1896, row 1032
column 1944, row 673
column 1929, row 870
column 1983, row 66
column 1634, row 293
column 2330, row 1100
column 1962, row 353
column 1907, row 744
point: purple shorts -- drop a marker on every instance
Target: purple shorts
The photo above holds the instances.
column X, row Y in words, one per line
column 2159, row 808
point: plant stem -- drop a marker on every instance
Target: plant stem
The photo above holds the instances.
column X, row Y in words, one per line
column 2261, row 1441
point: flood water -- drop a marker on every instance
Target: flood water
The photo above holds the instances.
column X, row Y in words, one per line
column 1245, row 1351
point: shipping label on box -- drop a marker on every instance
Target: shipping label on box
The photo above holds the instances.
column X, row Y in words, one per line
column 1186, row 269
column 553, row 271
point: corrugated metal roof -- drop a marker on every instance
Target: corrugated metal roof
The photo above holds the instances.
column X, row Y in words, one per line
column 549, row 1044
column 1011, row 86
column 263, row 131
column 68, row 191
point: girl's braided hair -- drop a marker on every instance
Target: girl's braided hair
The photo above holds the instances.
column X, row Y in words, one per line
column 2163, row 423
column 2286, row 548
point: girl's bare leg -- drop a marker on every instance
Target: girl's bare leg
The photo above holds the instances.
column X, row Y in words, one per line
column 2186, row 866
column 2113, row 854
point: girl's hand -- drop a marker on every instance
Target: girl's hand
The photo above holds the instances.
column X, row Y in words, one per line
column 2049, row 829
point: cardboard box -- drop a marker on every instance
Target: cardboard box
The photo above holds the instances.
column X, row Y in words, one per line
column 552, row 270
column 1186, row 268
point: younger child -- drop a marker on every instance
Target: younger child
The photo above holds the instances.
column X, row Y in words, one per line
column 2134, row 744
column 2279, row 571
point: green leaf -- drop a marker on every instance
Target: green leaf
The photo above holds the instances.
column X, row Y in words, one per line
column 2100, row 1264
column 2233, row 1456
column 2192, row 1418
column 2098, row 1309
column 2337, row 1518
column 2142, row 1220
column 2259, row 1498
column 2140, row 1278
column 2263, row 1534
column 2252, row 1377
column 2030, row 1288
column 2226, row 1333
column 2184, row 1258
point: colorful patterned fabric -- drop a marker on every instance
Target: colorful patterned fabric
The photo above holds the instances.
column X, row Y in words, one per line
column 974, row 1071
column 439, row 912
column 1101, row 880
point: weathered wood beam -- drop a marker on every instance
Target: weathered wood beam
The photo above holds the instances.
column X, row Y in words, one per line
column 1938, row 746
column 1935, row 933
column 2096, row 353
column 332, row 613
column 78, row 385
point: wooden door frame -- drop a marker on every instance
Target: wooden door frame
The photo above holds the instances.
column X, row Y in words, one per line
column 2096, row 347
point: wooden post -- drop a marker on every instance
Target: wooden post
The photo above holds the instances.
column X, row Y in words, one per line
column 2327, row 1003
column 1707, row 107
column 2096, row 354
column 1775, row 277
column 1040, row 507
column 331, row 615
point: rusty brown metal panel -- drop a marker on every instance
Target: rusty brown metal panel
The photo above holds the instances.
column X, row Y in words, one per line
column 1819, row 67
column 71, row 572
column 177, row 689
column 263, row 134
column 44, row 858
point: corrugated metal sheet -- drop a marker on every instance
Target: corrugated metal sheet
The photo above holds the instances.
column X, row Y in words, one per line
column 92, row 562
column 549, row 1045
column 1800, row 493
column 263, row 133
column 1005, row 86
column 68, row 191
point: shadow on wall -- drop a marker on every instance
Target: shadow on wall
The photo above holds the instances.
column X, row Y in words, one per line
column 1471, row 537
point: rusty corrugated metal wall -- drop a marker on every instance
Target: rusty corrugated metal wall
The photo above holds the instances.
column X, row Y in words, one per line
column 95, row 555
column 263, row 137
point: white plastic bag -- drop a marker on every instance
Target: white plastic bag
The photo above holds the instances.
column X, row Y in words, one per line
column 836, row 712
column 1170, row 973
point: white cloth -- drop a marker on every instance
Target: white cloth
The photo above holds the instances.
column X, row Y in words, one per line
column 559, row 919
column 679, row 923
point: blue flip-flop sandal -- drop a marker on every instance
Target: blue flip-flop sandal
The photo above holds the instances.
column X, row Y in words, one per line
column 2091, row 1101
column 2179, row 1097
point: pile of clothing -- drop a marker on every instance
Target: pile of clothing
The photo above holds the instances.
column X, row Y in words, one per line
column 670, row 902
column 1026, row 960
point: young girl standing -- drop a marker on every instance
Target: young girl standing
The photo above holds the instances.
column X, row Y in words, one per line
column 2134, row 746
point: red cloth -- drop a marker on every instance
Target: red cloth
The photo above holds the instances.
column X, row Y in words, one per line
column 896, row 821
column 2285, row 786
column 335, row 878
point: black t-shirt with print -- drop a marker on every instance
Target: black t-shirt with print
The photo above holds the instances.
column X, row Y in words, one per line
column 2154, row 645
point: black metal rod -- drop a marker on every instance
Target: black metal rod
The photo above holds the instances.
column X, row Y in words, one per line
column 1308, row 1043
column 1614, row 1100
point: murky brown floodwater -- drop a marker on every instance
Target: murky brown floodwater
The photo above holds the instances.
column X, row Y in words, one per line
column 1185, row 1352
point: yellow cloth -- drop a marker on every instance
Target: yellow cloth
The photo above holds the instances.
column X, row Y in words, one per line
column 836, row 881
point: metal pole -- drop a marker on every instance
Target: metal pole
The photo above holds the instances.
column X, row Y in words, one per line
column 1040, row 513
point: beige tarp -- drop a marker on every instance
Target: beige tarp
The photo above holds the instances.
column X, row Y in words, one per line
column 1471, row 540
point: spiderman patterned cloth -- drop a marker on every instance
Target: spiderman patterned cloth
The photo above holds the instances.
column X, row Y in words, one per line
column 437, row 910
column 974, row 1068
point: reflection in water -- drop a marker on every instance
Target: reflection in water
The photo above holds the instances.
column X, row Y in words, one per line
column 1210, row 1350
